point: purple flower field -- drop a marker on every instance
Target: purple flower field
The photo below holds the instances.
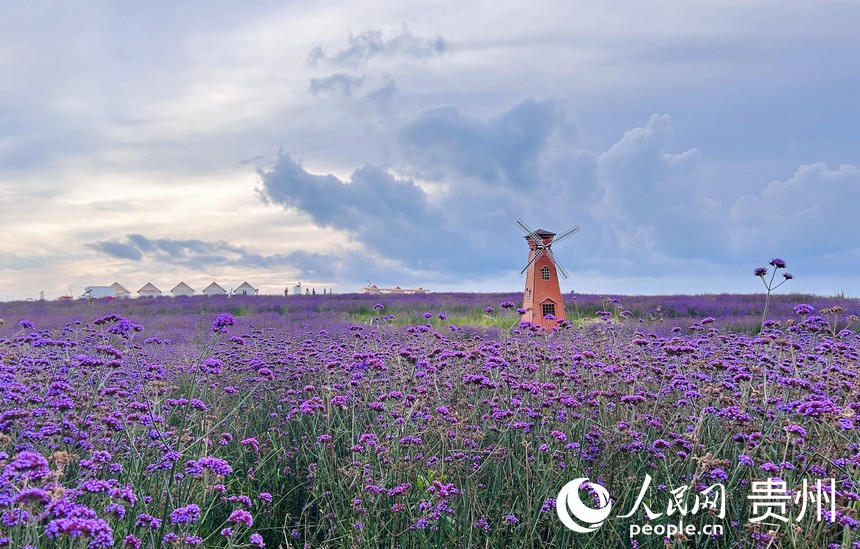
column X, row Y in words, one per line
column 425, row 421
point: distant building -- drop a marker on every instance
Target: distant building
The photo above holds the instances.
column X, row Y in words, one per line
column 297, row 289
column 149, row 290
column 182, row 289
column 214, row 289
column 245, row 289
column 120, row 292
column 98, row 292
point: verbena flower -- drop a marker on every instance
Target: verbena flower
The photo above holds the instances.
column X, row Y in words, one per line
column 241, row 516
column 185, row 515
column 148, row 521
column 804, row 309
column 124, row 327
column 219, row 325
column 252, row 442
column 795, row 430
column 74, row 527
column 719, row 474
column 216, row 465
column 30, row 496
column 397, row 490
column 26, row 466
column 769, row 467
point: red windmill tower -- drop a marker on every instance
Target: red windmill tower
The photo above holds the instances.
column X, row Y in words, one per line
column 542, row 295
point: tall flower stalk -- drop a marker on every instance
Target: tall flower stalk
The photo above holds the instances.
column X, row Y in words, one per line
column 770, row 286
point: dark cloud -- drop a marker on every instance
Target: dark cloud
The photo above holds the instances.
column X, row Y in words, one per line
column 443, row 142
column 369, row 44
column 141, row 242
column 382, row 97
column 388, row 215
column 339, row 83
column 352, row 266
column 492, row 172
column 191, row 253
column 638, row 203
column 120, row 250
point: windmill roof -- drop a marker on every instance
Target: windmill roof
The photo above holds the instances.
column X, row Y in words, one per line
column 541, row 233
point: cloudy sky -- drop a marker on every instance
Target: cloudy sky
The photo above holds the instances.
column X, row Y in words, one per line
column 398, row 143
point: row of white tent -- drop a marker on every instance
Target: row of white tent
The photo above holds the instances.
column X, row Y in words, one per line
column 182, row 289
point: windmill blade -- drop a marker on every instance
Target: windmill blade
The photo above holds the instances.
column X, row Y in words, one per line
column 526, row 229
column 571, row 231
column 531, row 234
column 530, row 263
column 557, row 264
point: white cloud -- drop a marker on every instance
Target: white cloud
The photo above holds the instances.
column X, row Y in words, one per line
column 812, row 214
column 652, row 206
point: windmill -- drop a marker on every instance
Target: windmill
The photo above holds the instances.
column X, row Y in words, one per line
column 542, row 295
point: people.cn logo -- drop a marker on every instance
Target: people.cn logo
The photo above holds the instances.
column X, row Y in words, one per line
column 569, row 503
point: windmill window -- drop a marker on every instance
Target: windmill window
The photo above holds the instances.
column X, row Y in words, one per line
column 548, row 309
column 544, row 273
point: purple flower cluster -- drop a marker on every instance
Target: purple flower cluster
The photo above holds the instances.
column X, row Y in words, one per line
column 185, row 515
column 221, row 322
column 240, row 516
column 96, row 529
column 217, row 465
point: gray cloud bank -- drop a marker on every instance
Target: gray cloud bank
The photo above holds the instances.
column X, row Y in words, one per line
column 449, row 202
column 199, row 255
